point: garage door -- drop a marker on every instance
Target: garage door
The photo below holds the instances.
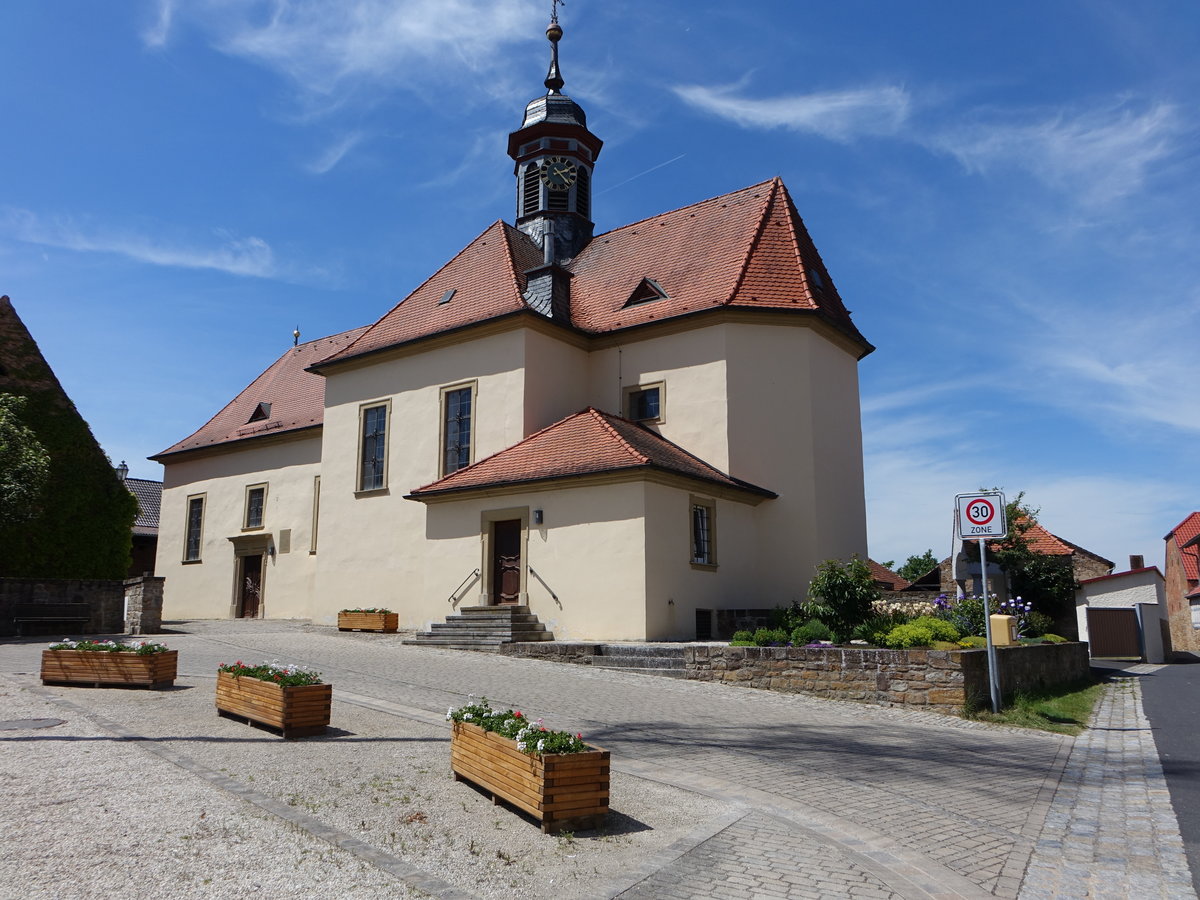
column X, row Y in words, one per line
column 1113, row 632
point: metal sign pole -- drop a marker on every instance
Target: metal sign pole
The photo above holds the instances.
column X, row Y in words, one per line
column 993, row 672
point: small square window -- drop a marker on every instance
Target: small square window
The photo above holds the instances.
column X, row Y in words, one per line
column 645, row 403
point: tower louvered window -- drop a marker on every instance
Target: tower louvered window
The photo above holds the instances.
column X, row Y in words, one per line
column 531, row 190
column 583, row 193
column 557, row 200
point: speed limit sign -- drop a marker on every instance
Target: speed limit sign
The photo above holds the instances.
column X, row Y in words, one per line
column 981, row 515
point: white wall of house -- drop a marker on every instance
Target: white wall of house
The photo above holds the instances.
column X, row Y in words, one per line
column 589, row 551
column 675, row 587
column 206, row 589
column 795, row 428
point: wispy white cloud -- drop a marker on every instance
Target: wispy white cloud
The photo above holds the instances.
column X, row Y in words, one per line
column 250, row 256
column 836, row 115
column 1100, row 154
column 328, row 46
column 334, row 153
column 156, row 33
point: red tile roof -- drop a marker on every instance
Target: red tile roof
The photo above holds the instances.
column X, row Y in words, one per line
column 748, row 249
column 589, row 442
column 885, row 576
column 1042, row 541
column 1185, row 531
column 487, row 278
column 296, row 398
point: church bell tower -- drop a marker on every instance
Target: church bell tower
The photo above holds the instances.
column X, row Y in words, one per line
column 554, row 154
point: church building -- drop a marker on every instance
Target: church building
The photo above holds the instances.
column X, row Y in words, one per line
column 626, row 433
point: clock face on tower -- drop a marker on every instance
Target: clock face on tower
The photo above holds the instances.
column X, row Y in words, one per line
column 559, row 172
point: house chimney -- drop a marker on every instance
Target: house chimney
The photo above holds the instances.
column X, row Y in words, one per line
column 1136, row 561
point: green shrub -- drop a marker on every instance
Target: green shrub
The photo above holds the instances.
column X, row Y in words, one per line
column 911, row 635
column 973, row 642
column 749, row 643
column 742, row 636
column 1054, row 639
column 1037, row 624
column 939, row 628
column 945, row 645
column 848, row 590
column 797, row 615
column 814, row 630
column 764, row 637
column 876, row 628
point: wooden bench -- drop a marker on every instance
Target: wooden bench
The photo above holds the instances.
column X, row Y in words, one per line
column 52, row 618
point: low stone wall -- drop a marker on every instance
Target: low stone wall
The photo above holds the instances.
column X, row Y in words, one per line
column 555, row 651
column 143, row 604
column 57, row 597
column 938, row 680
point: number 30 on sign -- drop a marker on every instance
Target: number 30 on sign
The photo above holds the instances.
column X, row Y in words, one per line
column 980, row 515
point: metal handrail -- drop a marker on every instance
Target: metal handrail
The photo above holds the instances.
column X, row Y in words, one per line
column 553, row 595
column 453, row 599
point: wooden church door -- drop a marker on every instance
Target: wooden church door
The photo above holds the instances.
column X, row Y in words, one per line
column 506, row 561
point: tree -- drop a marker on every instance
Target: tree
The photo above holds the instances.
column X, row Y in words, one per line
column 1048, row 582
column 916, row 566
column 847, row 590
column 24, row 464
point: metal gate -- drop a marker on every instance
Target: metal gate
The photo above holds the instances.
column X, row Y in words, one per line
column 1114, row 632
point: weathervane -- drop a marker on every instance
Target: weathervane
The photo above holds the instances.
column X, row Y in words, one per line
column 554, row 10
column 554, row 79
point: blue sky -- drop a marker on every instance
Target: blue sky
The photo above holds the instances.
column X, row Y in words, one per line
column 1005, row 195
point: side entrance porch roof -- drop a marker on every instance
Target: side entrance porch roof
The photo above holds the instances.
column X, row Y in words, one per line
column 587, row 443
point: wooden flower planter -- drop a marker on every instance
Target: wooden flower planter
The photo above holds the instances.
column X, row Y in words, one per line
column 101, row 668
column 563, row 791
column 364, row 621
column 297, row 711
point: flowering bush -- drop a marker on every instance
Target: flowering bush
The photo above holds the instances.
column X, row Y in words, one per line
column 141, row 648
column 371, row 609
column 286, row 675
column 532, row 738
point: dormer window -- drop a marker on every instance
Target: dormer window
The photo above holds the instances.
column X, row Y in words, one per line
column 261, row 413
column 647, row 290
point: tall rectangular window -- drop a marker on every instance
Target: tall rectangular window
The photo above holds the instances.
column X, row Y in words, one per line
column 457, row 405
column 316, row 513
column 372, row 468
column 194, row 530
column 704, row 550
column 256, row 501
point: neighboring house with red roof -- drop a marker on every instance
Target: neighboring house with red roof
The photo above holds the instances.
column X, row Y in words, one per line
column 1183, row 583
column 885, row 578
column 623, row 432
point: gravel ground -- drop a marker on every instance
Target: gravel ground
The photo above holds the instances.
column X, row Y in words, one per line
column 87, row 812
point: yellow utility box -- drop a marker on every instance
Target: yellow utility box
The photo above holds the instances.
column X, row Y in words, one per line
column 1004, row 630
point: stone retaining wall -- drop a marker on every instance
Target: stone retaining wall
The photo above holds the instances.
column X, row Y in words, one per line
column 938, row 680
column 105, row 602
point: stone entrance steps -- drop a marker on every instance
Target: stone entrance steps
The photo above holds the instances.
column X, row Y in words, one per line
column 647, row 659
column 483, row 628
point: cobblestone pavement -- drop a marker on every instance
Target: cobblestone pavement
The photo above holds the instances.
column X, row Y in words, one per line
column 1111, row 831
column 825, row 799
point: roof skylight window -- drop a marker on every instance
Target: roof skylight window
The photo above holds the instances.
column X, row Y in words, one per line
column 647, row 291
column 446, row 297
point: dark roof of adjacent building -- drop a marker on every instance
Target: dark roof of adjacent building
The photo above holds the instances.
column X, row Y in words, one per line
column 284, row 399
column 746, row 250
column 589, row 442
column 149, row 498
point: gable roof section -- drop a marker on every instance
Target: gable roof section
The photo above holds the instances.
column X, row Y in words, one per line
column 295, row 398
column 487, row 280
column 745, row 249
column 589, row 442
column 149, row 499
column 886, row 577
column 1182, row 534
